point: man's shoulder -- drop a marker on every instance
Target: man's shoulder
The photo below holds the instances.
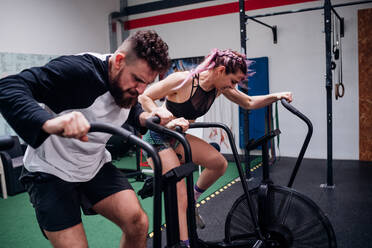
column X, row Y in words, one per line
column 80, row 66
column 82, row 59
column 99, row 56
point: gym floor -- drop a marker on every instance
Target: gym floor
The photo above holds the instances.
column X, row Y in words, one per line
column 348, row 205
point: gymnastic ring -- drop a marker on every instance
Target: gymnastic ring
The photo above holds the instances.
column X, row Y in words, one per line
column 340, row 90
column 336, row 52
column 333, row 65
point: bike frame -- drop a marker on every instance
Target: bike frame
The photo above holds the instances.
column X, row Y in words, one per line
column 173, row 232
column 132, row 138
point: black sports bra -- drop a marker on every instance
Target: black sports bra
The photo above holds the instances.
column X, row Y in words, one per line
column 197, row 105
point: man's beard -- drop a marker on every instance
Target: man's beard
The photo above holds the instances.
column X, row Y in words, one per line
column 124, row 98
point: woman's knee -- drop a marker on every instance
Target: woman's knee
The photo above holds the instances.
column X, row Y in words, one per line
column 219, row 163
column 223, row 166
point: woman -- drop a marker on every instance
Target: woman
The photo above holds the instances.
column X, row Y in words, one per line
column 189, row 95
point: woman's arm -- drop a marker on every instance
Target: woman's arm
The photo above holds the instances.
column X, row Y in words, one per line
column 254, row 102
column 160, row 90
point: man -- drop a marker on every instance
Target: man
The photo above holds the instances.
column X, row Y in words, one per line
column 63, row 174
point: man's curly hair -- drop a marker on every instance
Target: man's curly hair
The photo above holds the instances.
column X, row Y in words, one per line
column 147, row 45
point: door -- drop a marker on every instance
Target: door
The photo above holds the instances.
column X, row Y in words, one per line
column 365, row 83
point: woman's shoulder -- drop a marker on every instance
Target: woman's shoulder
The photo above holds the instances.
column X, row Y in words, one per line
column 179, row 75
column 177, row 78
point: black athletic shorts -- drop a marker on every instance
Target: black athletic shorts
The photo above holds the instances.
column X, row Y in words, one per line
column 57, row 203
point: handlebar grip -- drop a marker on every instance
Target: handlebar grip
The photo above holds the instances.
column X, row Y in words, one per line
column 155, row 119
column 178, row 129
column 152, row 123
column 6, row 142
column 290, row 107
column 296, row 112
column 284, row 102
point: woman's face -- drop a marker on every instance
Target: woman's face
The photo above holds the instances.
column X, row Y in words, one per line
column 230, row 80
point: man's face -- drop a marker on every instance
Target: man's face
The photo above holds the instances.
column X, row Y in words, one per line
column 130, row 82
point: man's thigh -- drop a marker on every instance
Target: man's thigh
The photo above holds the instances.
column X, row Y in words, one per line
column 108, row 181
column 110, row 194
column 68, row 238
column 56, row 202
column 122, row 208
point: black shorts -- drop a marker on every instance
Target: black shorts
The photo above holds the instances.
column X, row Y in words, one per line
column 57, row 203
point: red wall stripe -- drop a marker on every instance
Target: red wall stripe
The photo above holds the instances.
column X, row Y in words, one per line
column 222, row 9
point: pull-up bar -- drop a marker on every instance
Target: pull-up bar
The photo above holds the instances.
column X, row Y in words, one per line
column 328, row 8
column 341, row 20
column 273, row 28
column 310, row 9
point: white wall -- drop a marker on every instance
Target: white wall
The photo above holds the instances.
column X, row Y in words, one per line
column 55, row 26
column 296, row 63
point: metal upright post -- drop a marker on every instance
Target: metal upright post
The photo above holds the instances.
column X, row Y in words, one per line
column 243, row 40
column 112, row 33
column 123, row 7
column 328, row 49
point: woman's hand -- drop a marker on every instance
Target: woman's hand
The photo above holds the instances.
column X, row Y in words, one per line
column 164, row 115
column 284, row 95
column 182, row 122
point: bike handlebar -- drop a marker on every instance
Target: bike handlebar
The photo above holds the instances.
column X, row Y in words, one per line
column 6, row 142
column 132, row 138
column 294, row 111
column 152, row 123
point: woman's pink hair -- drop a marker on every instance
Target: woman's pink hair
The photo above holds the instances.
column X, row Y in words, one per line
column 232, row 60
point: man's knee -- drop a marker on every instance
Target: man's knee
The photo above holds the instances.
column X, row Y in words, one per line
column 138, row 224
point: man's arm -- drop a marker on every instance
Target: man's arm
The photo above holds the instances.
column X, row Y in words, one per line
column 137, row 118
column 22, row 112
column 59, row 85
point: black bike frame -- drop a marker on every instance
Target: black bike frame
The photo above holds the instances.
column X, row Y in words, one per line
column 306, row 142
column 173, row 231
column 242, row 176
column 193, row 236
column 6, row 142
column 132, row 138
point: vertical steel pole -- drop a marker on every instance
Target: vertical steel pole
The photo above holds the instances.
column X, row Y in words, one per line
column 124, row 32
column 112, row 33
column 328, row 49
column 243, row 45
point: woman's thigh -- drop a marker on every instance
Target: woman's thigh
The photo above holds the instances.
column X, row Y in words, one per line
column 202, row 153
column 168, row 158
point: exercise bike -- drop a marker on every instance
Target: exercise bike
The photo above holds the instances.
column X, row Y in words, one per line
column 266, row 216
column 132, row 138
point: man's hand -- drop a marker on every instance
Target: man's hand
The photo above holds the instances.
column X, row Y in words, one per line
column 182, row 122
column 71, row 125
column 284, row 95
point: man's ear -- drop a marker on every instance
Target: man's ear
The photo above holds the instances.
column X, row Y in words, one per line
column 119, row 60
